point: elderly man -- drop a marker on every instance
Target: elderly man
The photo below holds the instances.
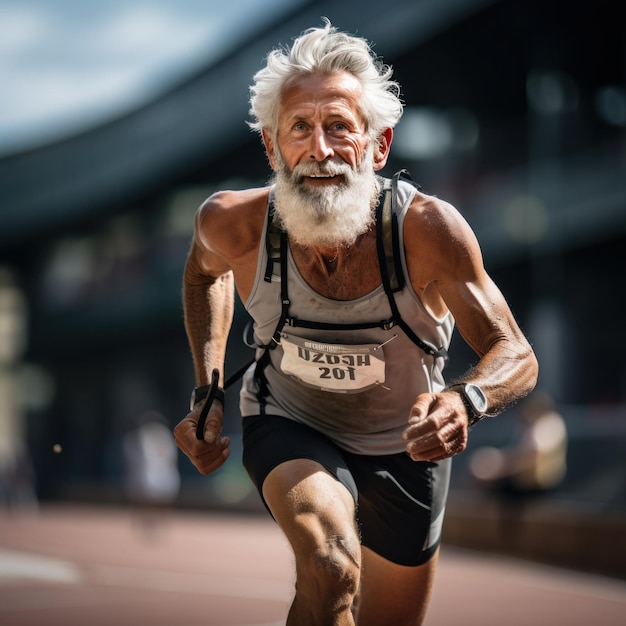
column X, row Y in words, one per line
column 348, row 425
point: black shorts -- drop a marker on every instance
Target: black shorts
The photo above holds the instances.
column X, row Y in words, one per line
column 400, row 502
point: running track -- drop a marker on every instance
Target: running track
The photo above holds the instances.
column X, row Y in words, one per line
column 77, row 566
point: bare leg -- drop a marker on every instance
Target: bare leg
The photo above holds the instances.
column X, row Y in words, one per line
column 316, row 513
column 394, row 595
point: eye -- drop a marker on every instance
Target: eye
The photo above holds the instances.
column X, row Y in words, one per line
column 299, row 126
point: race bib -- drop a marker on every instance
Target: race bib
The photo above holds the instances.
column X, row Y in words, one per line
column 333, row 367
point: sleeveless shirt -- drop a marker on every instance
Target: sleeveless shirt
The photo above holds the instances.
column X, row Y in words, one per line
column 371, row 421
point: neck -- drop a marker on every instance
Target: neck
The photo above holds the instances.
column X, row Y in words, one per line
column 329, row 257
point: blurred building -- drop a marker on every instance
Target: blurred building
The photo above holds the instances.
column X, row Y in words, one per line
column 516, row 113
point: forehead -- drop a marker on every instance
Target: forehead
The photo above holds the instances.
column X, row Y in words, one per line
column 306, row 93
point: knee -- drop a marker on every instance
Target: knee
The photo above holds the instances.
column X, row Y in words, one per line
column 331, row 569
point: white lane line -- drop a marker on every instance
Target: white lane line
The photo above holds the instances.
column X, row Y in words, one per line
column 23, row 566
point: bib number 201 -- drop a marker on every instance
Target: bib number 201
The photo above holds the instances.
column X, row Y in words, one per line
column 338, row 373
column 332, row 367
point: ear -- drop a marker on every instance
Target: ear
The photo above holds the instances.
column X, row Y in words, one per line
column 269, row 147
column 381, row 150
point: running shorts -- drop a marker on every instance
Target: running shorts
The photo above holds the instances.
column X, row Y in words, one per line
column 400, row 503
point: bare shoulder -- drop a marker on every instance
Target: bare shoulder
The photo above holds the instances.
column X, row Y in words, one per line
column 437, row 234
column 229, row 223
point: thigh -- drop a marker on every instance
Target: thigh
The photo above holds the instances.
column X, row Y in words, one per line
column 401, row 506
column 269, row 441
column 304, row 481
column 314, row 510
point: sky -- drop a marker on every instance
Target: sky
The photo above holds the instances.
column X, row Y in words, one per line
column 67, row 65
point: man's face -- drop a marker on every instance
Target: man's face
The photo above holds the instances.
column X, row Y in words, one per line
column 319, row 120
column 324, row 161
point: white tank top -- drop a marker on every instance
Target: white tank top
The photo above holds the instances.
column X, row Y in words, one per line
column 355, row 386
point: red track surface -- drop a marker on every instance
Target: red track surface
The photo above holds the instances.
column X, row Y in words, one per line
column 75, row 566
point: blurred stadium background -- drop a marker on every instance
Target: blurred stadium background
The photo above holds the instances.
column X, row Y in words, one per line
column 516, row 113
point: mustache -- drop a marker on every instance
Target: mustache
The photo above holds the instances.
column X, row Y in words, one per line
column 325, row 168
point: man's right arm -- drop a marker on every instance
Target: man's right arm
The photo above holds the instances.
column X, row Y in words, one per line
column 208, row 304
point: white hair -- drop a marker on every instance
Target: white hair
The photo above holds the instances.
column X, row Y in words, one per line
column 326, row 50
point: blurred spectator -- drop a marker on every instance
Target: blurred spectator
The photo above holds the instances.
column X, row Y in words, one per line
column 150, row 460
column 17, row 479
column 535, row 462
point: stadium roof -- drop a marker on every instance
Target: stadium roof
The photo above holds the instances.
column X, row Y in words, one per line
column 82, row 176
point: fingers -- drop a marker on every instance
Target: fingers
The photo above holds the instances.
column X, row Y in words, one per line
column 442, row 450
column 422, row 408
column 212, row 429
column 210, row 453
column 213, row 458
column 437, row 427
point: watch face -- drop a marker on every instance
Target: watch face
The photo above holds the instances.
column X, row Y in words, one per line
column 476, row 398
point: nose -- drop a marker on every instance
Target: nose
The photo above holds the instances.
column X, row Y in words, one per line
column 321, row 148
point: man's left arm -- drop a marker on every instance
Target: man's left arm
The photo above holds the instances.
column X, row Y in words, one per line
column 507, row 367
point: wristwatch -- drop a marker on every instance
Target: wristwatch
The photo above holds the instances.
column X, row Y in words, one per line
column 200, row 393
column 474, row 399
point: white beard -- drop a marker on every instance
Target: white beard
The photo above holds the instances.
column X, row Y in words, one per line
column 333, row 215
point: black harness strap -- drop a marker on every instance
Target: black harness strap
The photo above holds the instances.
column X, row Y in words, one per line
column 264, row 359
column 392, row 275
column 387, row 239
column 272, row 241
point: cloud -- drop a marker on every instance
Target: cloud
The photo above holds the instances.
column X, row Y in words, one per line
column 61, row 73
column 20, row 29
column 68, row 63
column 148, row 35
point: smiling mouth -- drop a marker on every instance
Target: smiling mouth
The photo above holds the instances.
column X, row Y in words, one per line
column 322, row 178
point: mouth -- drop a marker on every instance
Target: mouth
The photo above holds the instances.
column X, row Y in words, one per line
column 322, row 179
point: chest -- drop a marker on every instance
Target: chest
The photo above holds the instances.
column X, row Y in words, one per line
column 350, row 276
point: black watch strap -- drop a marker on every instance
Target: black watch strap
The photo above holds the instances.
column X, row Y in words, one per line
column 200, row 393
column 472, row 416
